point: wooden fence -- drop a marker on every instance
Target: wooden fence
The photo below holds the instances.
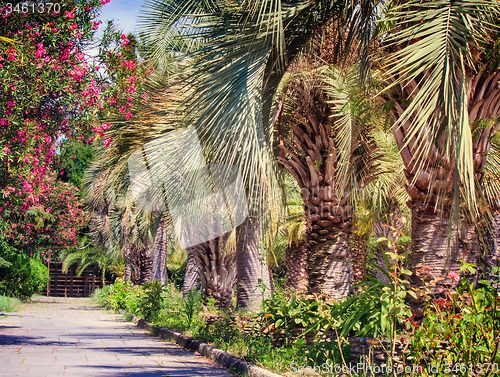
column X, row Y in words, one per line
column 69, row 285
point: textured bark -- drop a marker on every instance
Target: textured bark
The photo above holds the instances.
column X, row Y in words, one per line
column 493, row 257
column 145, row 267
column 160, row 249
column 359, row 257
column 330, row 273
column 432, row 253
column 297, row 275
column 251, row 266
column 139, row 265
column 128, row 272
column 191, row 280
column 216, row 270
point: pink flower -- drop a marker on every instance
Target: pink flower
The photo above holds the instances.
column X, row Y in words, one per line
column 106, row 126
column 128, row 116
column 69, row 15
column 104, row 2
column 46, row 59
column 73, row 27
column 453, row 275
column 96, row 24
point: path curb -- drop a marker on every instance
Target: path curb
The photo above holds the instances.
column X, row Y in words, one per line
column 225, row 359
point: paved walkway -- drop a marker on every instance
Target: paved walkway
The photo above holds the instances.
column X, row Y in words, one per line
column 73, row 337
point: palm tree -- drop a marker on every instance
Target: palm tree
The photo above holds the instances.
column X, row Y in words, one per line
column 330, row 161
column 191, row 281
column 442, row 85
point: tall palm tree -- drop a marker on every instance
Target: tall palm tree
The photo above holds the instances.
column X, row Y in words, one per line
column 442, row 86
column 330, row 161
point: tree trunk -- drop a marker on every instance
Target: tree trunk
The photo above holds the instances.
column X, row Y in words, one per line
column 251, row 266
column 191, row 280
column 432, row 253
column 297, row 275
column 160, row 249
column 493, row 242
column 359, row 257
column 128, row 272
column 216, row 270
column 330, row 273
column 145, row 266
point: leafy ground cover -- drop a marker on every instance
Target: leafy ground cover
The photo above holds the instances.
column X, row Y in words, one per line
column 9, row 304
column 459, row 329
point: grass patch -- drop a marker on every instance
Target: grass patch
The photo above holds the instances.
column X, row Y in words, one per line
column 10, row 304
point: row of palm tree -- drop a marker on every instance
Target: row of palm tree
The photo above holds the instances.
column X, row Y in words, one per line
column 432, row 56
column 256, row 103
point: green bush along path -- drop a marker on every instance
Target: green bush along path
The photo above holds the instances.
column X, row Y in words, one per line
column 55, row 336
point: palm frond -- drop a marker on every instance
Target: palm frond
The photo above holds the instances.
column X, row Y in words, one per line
column 433, row 52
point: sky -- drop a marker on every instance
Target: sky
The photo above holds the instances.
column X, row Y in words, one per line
column 125, row 12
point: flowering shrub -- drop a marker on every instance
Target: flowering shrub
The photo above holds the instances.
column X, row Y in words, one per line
column 52, row 94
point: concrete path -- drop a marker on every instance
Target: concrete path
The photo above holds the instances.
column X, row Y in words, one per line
column 73, row 337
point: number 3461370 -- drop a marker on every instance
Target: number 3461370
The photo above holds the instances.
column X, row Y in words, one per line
column 481, row 369
column 31, row 7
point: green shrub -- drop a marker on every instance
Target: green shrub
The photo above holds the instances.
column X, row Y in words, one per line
column 192, row 305
column 466, row 321
column 100, row 295
column 134, row 299
column 39, row 275
column 10, row 304
column 118, row 293
column 20, row 276
column 151, row 301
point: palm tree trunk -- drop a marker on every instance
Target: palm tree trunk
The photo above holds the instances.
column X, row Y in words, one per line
column 436, row 254
column 493, row 242
column 191, row 280
column 160, row 248
column 297, row 275
column 145, row 266
column 359, row 257
column 251, row 266
column 216, row 270
column 330, row 273
column 128, row 272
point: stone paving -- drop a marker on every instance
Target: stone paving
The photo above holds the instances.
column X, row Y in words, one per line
column 56, row 336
